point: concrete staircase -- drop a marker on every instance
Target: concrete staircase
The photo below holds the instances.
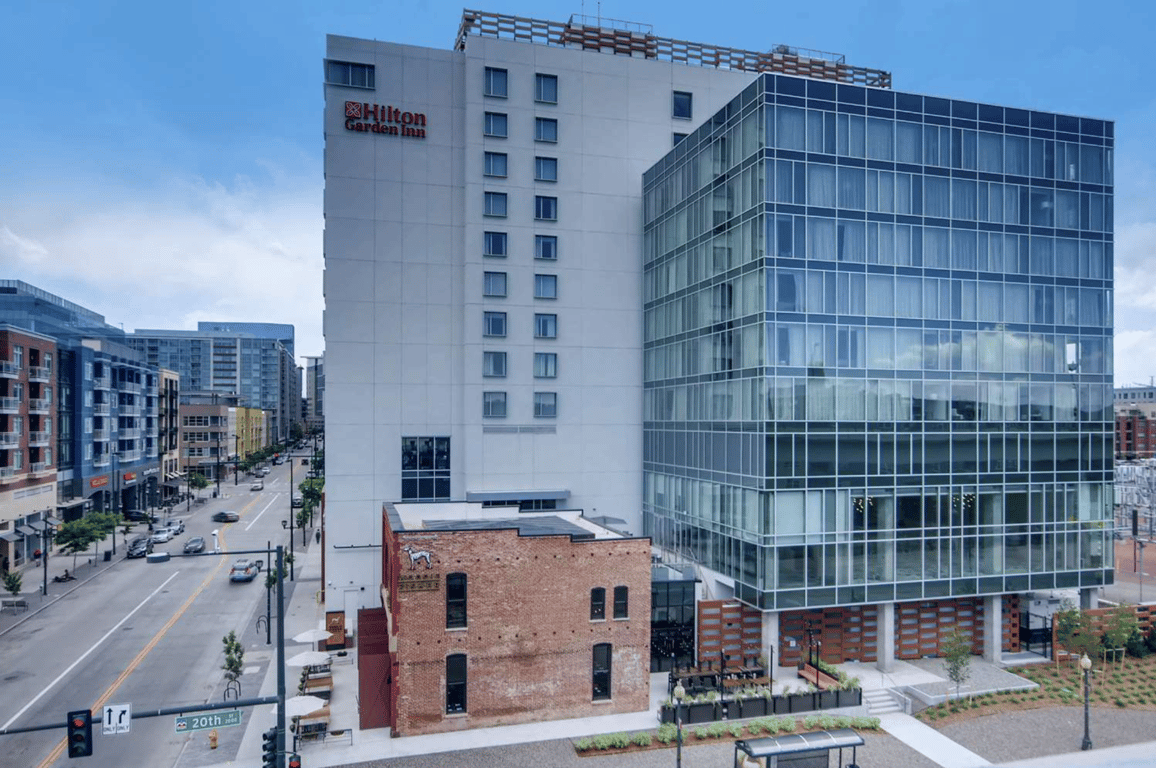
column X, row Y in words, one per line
column 880, row 702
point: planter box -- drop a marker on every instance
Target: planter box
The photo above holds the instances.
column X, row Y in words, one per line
column 706, row 712
column 851, row 698
column 756, row 707
column 666, row 714
column 828, row 699
column 803, row 702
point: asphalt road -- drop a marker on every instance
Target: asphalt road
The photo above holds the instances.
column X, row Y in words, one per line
column 145, row 634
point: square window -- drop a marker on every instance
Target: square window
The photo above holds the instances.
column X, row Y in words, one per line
column 545, row 247
column 494, row 405
column 496, row 125
column 545, row 169
column 496, row 164
column 495, row 83
column 545, row 365
column 681, row 107
column 494, row 244
column 495, row 204
column 545, row 286
column 494, row 364
column 494, row 324
column 545, row 405
column 679, row 137
column 494, row 284
column 545, row 326
column 545, row 208
column 546, row 89
column 545, row 129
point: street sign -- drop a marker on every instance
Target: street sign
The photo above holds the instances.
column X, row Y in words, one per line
column 117, row 718
column 208, row 720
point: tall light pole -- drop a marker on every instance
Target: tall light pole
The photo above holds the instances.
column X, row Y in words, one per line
column 679, row 693
column 1086, row 665
column 291, row 568
column 218, row 463
column 237, row 461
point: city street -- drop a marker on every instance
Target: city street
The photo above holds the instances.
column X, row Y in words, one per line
column 140, row 633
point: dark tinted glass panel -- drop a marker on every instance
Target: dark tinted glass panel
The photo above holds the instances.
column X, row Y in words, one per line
column 1043, row 120
column 456, row 600
column 817, row 89
column 601, row 669
column 990, row 113
column 963, row 109
column 934, row 106
column 850, row 94
column 455, row 683
column 877, row 97
column 621, row 603
column 795, row 86
column 909, row 102
column 1015, row 116
column 1065, row 123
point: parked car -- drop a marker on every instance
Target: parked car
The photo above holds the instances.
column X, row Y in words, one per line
column 226, row 517
column 245, row 570
column 139, row 547
column 261, row 471
column 195, row 545
column 161, row 535
column 298, row 501
column 176, row 526
column 257, row 486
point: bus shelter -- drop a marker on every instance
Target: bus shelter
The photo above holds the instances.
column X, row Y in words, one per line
column 802, row 750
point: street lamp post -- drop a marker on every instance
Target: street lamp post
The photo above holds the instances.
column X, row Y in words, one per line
column 218, row 463
column 291, row 568
column 1086, row 665
column 679, row 693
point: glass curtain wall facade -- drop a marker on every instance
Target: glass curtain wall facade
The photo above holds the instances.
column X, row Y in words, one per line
column 878, row 347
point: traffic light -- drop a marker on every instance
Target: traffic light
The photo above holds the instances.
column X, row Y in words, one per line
column 80, row 733
column 269, row 748
column 294, row 761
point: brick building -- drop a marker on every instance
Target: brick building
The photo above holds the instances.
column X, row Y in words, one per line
column 492, row 617
column 1135, row 430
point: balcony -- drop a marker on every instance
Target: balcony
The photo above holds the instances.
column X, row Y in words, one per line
column 103, row 460
column 7, row 473
column 39, row 373
column 9, row 439
column 129, row 410
column 127, row 457
column 129, row 434
column 9, row 405
column 39, row 438
column 40, row 467
column 100, row 435
column 39, row 405
column 9, row 369
column 101, row 382
column 101, row 409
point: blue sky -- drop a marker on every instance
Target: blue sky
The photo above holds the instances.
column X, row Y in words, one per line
column 161, row 162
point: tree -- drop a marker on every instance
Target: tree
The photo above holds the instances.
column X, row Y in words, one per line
column 1119, row 625
column 234, row 664
column 13, row 582
column 197, row 481
column 1075, row 634
column 957, row 658
column 76, row 536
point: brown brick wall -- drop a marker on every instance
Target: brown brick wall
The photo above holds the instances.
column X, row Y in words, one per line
column 529, row 641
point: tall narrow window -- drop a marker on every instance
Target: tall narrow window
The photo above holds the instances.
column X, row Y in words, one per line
column 621, row 602
column 603, row 652
column 546, row 89
column 597, row 603
column 545, row 247
column 455, row 684
column 455, row 600
column 495, row 83
column 545, row 129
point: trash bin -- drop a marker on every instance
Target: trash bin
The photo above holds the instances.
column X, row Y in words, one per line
column 214, row 494
column 107, row 555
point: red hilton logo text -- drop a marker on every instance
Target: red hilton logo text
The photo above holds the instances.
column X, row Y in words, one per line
column 383, row 119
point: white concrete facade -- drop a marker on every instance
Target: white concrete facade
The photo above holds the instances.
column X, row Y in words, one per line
column 404, row 264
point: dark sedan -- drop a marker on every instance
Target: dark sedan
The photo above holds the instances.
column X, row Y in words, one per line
column 195, row 545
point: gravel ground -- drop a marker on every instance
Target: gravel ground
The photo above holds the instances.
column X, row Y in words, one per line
column 1051, row 731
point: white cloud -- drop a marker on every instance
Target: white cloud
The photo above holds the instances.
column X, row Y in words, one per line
column 167, row 258
column 14, row 248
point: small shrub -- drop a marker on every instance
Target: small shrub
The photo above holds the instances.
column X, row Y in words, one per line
column 842, row 721
column 700, row 733
column 809, row 722
column 737, row 729
column 717, row 730
column 1121, row 703
column 826, row 722
column 584, row 745
column 602, row 741
column 642, row 739
column 787, row 725
column 667, row 733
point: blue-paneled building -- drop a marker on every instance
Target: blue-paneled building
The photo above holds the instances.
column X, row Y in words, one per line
column 878, row 358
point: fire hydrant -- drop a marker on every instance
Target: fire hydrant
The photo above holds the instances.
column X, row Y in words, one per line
column 213, row 739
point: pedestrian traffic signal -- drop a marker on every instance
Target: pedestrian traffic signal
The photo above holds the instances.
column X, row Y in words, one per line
column 80, row 733
column 269, row 748
column 294, row 761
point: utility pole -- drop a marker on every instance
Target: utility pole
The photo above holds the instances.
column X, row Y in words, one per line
column 237, row 461
column 218, row 459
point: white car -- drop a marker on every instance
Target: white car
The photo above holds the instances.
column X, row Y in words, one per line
column 162, row 535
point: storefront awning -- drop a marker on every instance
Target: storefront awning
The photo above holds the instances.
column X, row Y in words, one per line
column 38, row 525
column 53, row 520
column 26, row 531
column 10, row 536
column 171, row 483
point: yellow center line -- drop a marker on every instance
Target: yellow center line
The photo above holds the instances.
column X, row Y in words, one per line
column 144, row 652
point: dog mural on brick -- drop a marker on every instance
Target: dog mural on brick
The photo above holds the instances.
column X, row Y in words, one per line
column 417, row 555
